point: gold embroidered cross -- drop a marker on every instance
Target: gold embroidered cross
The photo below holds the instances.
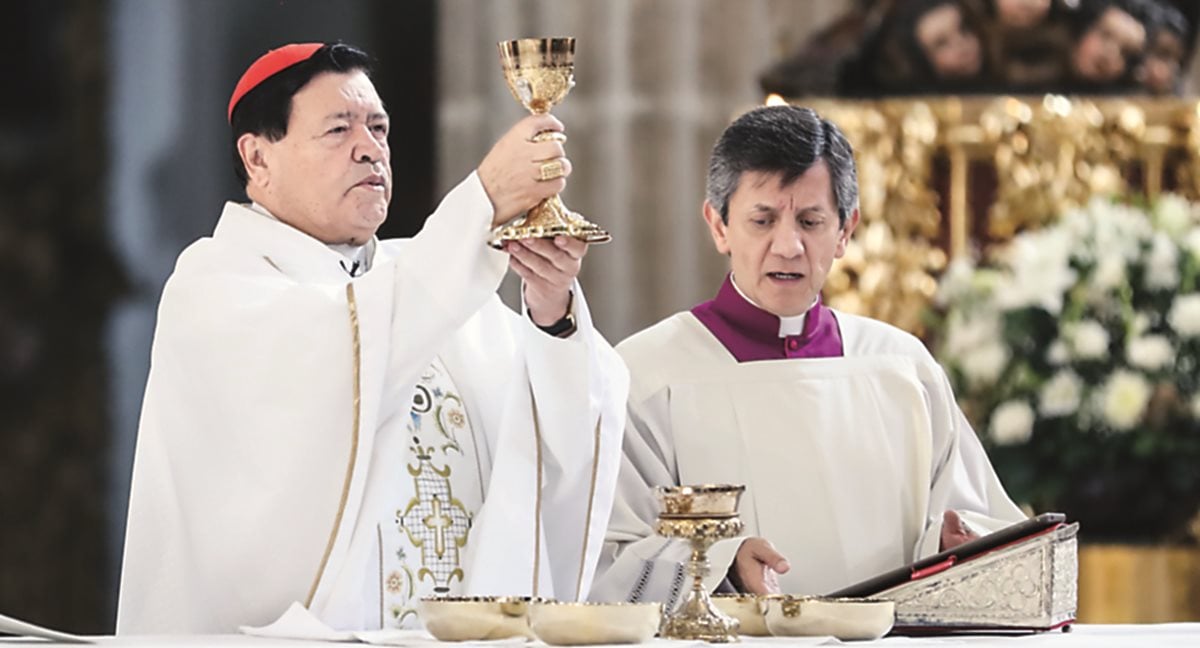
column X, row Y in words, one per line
column 440, row 523
column 435, row 522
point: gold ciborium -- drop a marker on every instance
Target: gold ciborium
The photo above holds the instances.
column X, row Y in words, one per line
column 540, row 72
column 701, row 515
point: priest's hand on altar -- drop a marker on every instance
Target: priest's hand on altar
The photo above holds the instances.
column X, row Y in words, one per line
column 548, row 268
column 756, row 567
column 518, row 172
column 955, row 531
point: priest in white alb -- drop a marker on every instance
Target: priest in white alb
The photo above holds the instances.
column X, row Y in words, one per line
column 351, row 424
column 844, row 430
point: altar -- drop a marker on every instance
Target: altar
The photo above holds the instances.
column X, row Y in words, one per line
column 1091, row 636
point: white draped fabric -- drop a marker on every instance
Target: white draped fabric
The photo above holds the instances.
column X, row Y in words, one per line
column 848, row 462
column 298, row 424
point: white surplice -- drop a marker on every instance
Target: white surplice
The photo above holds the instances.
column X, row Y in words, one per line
column 310, row 437
column 848, row 462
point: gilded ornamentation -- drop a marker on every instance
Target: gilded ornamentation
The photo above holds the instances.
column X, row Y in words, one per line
column 1055, row 155
column 710, row 530
column 1187, row 174
column 701, row 515
column 540, row 72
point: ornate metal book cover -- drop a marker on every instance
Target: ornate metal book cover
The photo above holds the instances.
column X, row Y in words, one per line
column 1027, row 585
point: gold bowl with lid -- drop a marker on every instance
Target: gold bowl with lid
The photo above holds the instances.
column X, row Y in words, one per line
column 476, row 618
column 747, row 609
column 580, row 623
column 844, row 618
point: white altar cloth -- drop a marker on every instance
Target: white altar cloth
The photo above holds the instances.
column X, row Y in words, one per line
column 1083, row 635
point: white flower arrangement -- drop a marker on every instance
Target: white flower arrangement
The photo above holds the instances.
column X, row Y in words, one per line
column 1122, row 399
column 1012, row 422
column 1075, row 350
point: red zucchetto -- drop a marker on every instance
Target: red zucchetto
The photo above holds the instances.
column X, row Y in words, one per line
column 268, row 65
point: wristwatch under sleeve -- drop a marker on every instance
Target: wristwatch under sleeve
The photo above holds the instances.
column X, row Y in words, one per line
column 564, row 327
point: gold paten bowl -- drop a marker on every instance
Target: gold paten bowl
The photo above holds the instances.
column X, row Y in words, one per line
column 476, row 618
column 846, row 618
column 747, row 609
column 576, row 624
column 702, row 501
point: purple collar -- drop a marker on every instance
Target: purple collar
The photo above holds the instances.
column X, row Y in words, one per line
column 751, row 333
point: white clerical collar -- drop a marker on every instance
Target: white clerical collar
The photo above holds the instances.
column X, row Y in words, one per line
column 357, row 258
column 788, row 325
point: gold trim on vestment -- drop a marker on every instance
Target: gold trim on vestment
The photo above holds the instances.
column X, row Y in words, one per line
column 587, row 519
column 537, row 509
column 337, row 521
column 379, row 536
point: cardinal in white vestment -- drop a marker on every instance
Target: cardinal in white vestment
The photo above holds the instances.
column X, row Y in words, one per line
column 855, row 457
column 354, row 424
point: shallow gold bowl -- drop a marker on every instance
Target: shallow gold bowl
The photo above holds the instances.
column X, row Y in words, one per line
column 703, row 501
column 476, row 618
column 747, row 609
column 846, row 619
column 575, row 624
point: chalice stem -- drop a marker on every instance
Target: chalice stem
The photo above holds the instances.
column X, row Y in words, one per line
column 699, row 566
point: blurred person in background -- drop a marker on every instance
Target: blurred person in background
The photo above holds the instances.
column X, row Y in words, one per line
column 1108, row 44
column 1166, row 37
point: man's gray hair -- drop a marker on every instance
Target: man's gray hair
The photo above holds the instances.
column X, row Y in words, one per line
column 784, row 140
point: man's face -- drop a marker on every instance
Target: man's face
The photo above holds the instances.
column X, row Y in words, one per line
column 1021, row 14
column 1104, row 50
column 781, row 240
column 953, row 50
column 331, row 175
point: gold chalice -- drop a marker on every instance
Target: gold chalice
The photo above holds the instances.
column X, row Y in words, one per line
column 540, row 72
column 701, row 515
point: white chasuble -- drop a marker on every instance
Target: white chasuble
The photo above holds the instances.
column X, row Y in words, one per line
column 281, row 452
column 848, row 462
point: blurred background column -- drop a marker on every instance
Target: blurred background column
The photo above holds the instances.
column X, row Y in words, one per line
column 60, row 280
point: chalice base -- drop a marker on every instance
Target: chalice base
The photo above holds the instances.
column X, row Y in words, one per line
column 548, row 219
column 697, row 619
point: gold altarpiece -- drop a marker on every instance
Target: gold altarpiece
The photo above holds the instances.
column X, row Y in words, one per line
column 942, row 177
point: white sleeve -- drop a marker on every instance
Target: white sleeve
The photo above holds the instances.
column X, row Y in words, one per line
column 963, row 478
column 579, row 386
column 445, row 274
column 638, row 565
column 560, row 401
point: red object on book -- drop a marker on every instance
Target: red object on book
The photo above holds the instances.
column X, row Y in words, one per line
column 918, row 574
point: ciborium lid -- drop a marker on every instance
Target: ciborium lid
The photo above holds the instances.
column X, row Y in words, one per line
column 699, row 501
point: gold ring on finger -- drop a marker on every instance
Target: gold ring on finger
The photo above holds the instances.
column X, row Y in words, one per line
column 551, row 170
column 548, row 136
